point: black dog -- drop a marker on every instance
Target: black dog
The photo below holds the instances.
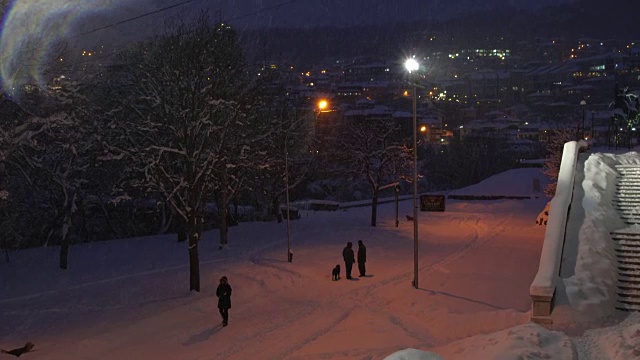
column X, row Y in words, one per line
column 335, row 273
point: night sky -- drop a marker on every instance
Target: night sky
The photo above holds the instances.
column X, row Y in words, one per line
column 307, row 13
column 251, row 14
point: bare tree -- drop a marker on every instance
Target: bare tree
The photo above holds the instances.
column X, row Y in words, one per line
column 374, row 152
column 184, row 122
column 626, row 111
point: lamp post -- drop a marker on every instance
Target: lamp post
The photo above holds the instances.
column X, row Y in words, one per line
column 321, row 105
column 411, row 66
column 397, row 192
column 583, row 104
column 286, row 184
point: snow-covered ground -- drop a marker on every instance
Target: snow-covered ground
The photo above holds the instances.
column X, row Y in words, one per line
column 129, row 299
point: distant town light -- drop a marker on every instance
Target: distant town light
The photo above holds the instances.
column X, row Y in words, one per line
column 423, row 128
column 322, row 104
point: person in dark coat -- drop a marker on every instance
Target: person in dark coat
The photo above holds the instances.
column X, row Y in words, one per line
column 362, row 258
column 224, row 299
column 349, row 259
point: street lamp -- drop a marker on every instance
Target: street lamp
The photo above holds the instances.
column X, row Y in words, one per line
column 412, row 65
column 583, row 104
column 322, row 105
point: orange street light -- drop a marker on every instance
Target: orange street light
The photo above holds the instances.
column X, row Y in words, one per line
column 322, row 104
column 423, row 128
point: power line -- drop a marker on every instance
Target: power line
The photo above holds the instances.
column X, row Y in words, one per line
column 269, row 8
column 261, row 10
column 131, row 19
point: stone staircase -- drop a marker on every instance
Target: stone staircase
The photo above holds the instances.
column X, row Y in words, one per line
column 627, row 203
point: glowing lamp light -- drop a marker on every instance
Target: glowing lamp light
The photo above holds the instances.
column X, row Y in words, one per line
column 423, row 128
column 322, row 104
column 411, row 65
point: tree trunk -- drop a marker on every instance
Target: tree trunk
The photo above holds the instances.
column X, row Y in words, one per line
column 374, row 208
column 166, row 218
column 107, row 218
column 64, row 246
column 194, row 263
column 181, row 229
column 235, row 207
column 81, row 225
column 191, row 229
column 69, row 209
column 223, row 212
column 275, row 208
column 224, row 224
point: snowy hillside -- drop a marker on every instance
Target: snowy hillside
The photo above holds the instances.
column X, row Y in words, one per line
column 129, row 299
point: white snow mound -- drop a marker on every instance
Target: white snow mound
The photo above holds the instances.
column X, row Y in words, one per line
column 413, row 354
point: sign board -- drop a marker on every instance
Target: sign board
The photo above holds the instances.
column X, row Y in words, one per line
column 432, row 202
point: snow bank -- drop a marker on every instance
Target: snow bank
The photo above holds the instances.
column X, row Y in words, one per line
column 619, row 342
column 413, row 354
column 527, row 341
column 592, row 290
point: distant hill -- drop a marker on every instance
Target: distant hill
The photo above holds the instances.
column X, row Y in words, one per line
column 515, row 182
column 584, row 18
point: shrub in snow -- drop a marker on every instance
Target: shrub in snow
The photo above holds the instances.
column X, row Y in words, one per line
column 555, row 147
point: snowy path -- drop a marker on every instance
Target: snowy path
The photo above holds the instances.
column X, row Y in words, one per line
column 476, row 262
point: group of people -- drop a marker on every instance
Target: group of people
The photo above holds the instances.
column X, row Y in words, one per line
column 349, row 259
column 223, row 292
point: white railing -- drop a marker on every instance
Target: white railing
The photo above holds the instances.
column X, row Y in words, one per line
column 543, row 287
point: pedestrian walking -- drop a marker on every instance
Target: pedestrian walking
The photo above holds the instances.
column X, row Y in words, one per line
column 224, row 299
column 349, row 259
column 362, row 258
